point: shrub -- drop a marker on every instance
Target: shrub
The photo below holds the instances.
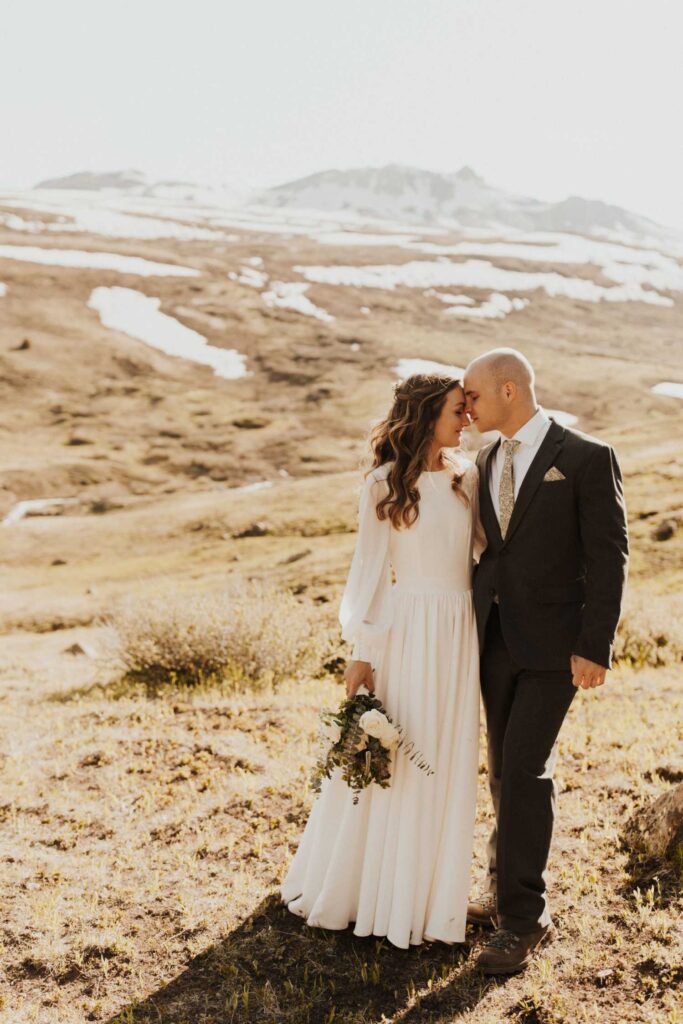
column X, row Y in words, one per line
column 250, row 636
column 650, row 632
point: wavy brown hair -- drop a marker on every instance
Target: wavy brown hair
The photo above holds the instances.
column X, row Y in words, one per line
column 404, row 437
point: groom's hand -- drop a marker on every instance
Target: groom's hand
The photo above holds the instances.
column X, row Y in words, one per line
column 585, row 673
column 357, row 674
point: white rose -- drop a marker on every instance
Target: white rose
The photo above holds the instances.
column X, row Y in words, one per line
column 390, row 737
column 373, row 722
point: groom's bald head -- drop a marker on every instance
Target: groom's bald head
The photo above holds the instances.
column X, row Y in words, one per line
column 499, row 387
column 502, row 365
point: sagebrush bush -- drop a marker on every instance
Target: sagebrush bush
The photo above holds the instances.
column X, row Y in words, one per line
column 650, row 631
column 249, row 636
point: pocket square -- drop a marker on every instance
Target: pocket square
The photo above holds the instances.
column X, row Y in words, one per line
column 553, row 474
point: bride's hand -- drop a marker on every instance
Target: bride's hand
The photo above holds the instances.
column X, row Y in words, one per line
column 357, row 674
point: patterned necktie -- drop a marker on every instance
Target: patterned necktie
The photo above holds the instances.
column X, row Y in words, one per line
column 506, row 488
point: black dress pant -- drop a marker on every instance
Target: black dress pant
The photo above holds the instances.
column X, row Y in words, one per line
column 525, row 710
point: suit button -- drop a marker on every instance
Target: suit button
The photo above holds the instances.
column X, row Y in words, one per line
column 492, row 591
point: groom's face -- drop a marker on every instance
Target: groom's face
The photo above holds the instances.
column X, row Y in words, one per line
column 485, row 402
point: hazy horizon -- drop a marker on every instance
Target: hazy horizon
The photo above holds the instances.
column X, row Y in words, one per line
column 541, row 100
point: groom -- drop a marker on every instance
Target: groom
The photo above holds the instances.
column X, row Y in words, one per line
column 547, row 595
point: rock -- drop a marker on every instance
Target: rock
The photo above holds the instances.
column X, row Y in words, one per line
column 96, row 759
column 604, row 976
column 655, row 832
column 100, row 505
column 58, row 561
column 255, row 530
column 318, row 394
column 251, row 423
column 295, row 557
column 77, row 648
column 79, row 440
column 665, row 530
column 22, row 346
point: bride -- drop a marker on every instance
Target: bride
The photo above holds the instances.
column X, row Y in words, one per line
column 397, row 863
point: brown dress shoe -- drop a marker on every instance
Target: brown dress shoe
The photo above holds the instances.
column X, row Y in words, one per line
column 482, row 910
column 507, row 952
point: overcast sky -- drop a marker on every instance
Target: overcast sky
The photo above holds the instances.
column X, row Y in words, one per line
column 543, row 97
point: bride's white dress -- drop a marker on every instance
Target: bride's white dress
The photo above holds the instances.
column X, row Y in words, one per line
column 397, row 863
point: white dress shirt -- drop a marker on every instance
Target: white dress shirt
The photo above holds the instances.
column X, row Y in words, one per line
column 531, row 435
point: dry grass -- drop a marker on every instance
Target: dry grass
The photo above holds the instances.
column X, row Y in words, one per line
column 144, row 839
column 251, row 635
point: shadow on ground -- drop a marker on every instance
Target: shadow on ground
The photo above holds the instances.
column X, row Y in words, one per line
column 276, row 970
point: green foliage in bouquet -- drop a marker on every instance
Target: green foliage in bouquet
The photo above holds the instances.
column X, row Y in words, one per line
column 362, row 758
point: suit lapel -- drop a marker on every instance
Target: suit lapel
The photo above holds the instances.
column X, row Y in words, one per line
column 543, row 460
column 488, row 513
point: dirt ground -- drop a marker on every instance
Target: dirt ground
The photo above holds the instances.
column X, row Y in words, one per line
column 143, row 838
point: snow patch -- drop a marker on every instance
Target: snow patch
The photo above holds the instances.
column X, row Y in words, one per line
column 259, row 485
column 452, row 300
column 22, row 509
column 495, row 307
column 139, row 316
column 620, row 263
column 116, row 225
column 251, row 277
column 290, row 295
column 16, row 223
column 94, row 260
column 477, row 274
column 669, row 388
column 361, row 239
column 95, row 214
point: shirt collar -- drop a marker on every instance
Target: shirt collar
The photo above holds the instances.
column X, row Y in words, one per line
column 529, row 433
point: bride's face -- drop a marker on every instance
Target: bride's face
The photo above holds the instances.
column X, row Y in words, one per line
column 452, row 420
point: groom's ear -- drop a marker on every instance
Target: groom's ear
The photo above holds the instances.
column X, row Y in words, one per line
column 509, row 390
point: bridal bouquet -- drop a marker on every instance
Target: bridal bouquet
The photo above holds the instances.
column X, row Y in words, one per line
column 362, row 738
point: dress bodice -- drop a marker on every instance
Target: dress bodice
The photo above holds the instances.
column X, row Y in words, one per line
column 433, row 555
column 435, row 552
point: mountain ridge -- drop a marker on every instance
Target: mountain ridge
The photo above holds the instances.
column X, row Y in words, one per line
column 396, row 192
column 460, row 198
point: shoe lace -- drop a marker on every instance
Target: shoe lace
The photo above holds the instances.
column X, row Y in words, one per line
column 503, row 940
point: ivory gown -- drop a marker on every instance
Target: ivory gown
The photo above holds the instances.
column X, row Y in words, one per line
column 398, row 862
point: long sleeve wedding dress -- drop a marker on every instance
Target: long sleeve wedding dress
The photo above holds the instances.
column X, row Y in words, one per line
column 397, row 863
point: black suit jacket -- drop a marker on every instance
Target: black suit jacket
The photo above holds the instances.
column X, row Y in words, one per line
column 561, row 570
